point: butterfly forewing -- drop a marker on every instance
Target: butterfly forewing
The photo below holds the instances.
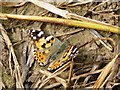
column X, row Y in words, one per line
column 46, row 46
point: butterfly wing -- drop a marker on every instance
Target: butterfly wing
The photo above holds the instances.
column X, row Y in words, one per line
column 41, row 40
column 68, row 54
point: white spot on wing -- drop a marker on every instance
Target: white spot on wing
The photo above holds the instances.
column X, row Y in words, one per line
column 49, row 68
column 74, row 50
column 41, row 64
column 40, row 33
column 71, row 55
column 29, row 31
column 31, row 35
column 33, row 30
column 48, row 38
column 34, row 38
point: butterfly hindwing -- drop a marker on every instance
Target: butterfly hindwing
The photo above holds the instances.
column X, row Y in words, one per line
column 65, row 56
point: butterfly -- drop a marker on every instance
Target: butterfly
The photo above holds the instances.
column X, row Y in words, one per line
column 48, row 49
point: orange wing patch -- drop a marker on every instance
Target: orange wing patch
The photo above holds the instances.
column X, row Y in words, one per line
column 55, row 65
column 41, row 57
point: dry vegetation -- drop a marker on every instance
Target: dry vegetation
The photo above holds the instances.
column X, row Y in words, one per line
column 97, row 64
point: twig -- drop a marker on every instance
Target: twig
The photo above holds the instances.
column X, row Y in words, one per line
column 30, row 55
column 11, row 71
column 68, row 33
column 107, row 78
column 11, row 4
column 86, row 74
column 52, row 85
column 85, row 85
column 19, row 42
column 100, row 4
column 76, row 23
column 25, row 68
column 70, row 74
column 80, row 3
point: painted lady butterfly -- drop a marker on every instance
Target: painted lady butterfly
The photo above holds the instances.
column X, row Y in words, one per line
column 47, row 48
